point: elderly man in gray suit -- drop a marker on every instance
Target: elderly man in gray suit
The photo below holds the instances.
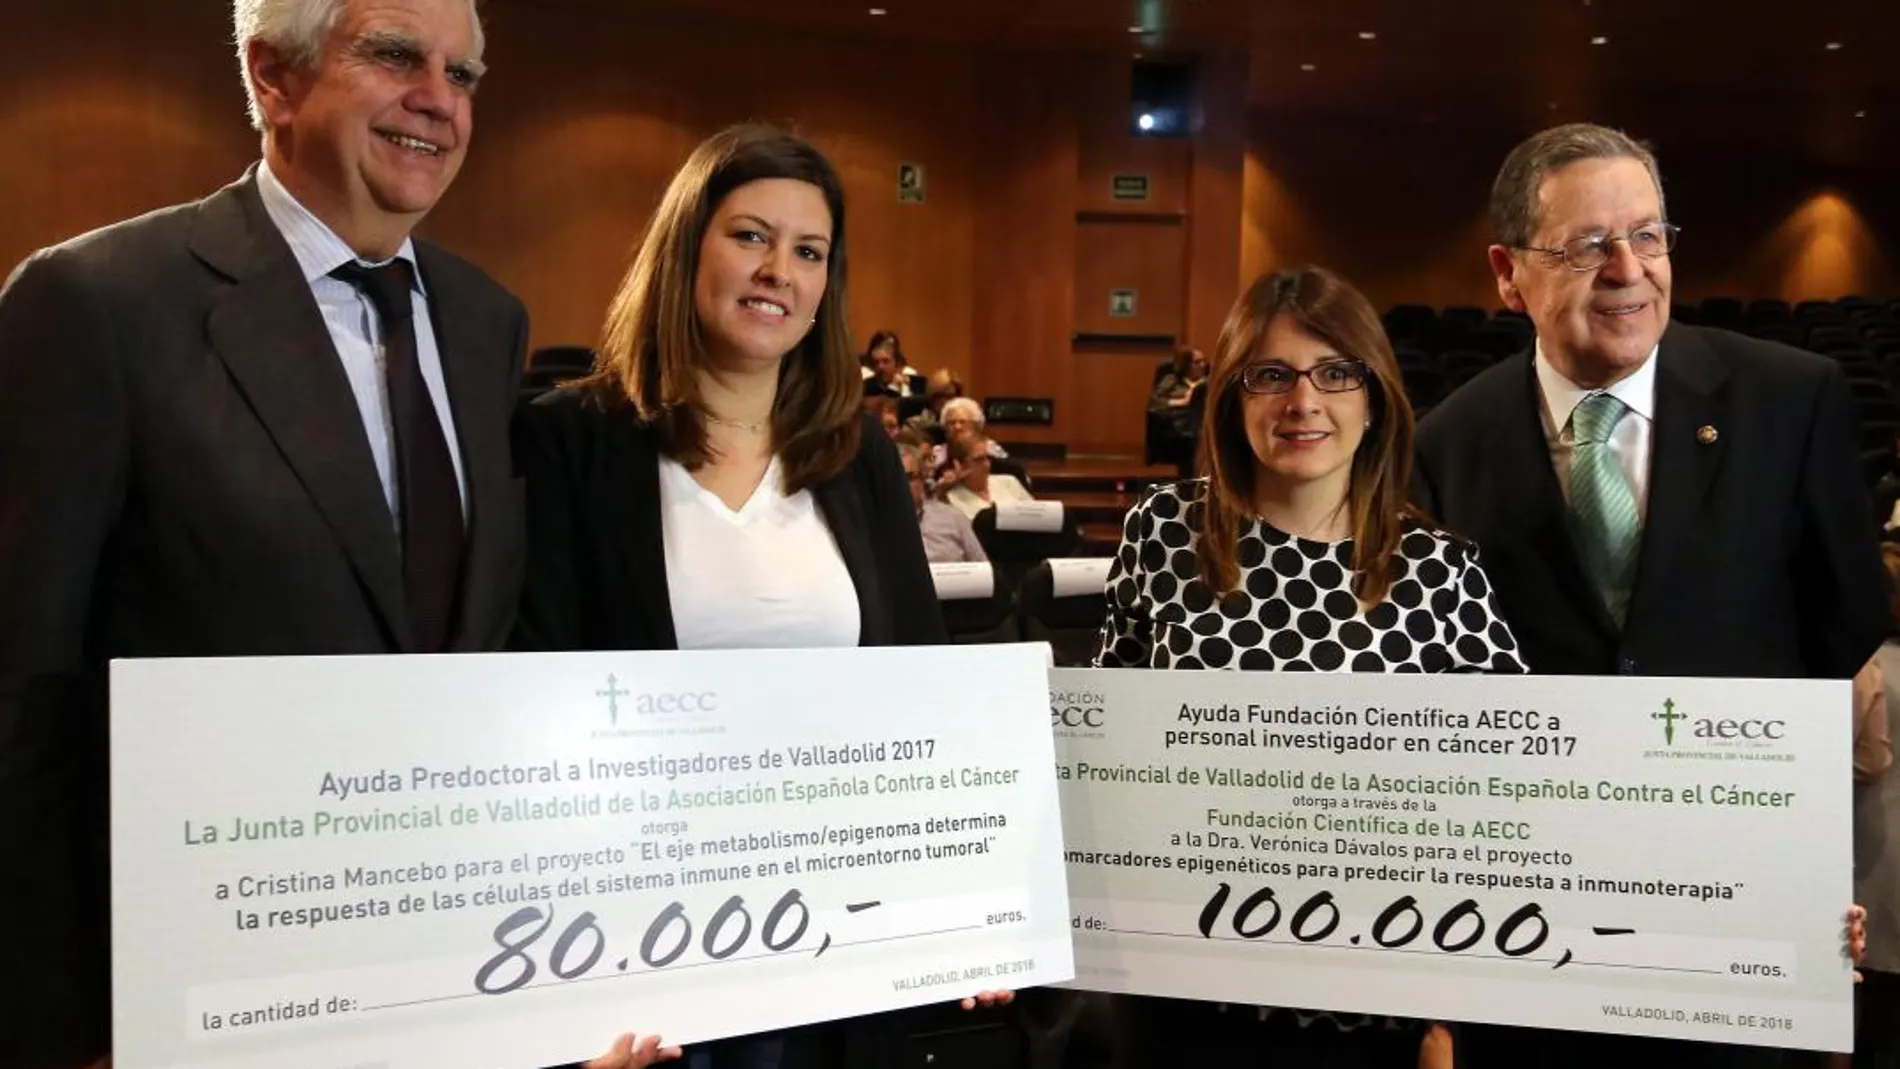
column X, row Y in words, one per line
column 264, row 423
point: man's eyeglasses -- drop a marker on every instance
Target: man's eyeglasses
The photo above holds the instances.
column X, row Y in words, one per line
column 1650, row 242
column 1332, row 376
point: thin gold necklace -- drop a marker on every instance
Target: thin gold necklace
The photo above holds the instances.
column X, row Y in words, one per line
column 749, row 428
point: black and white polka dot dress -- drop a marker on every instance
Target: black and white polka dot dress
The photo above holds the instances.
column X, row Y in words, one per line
column 1294, row 609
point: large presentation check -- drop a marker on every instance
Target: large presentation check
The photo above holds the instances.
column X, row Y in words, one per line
column 503, row 861
column 1648, row 856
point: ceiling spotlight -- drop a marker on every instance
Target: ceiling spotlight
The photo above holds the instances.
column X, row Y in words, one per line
column 1835, row 46
column 1599, row 40
column 1136, row 29
column 1146, row 122
column 1368, row 35
column 878, row 11
column 1309, row 67
column 1860, row 115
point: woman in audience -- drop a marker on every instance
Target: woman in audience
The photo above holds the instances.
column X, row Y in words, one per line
column 719, row 440
column 1877, row 852
column 971, row 485
column 1303, row 555
column 963, row 418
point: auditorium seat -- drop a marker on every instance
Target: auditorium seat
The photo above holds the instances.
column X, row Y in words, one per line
column 976, row 607
column 1061, row 602
column 1013, row 548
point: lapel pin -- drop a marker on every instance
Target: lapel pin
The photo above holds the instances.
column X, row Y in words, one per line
column 1707, row 435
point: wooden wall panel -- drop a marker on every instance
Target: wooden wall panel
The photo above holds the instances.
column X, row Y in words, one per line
column 1218, row 191
column 1148, row 257
column 1109, row 146
column 1025, row 227
column 591, row 107
column 566, row 170
column 1109, row 393
column 1399, row 208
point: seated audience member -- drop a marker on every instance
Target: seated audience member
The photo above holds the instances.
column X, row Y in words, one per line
column 962, row 417
column 943, row 386
column 883, row 408
column 890, row 372
column 948, row 536
column 1877, row 854
column 972, row 486
column 1176, row 385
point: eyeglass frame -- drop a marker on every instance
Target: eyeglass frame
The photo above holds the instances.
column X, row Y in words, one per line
column 1363, row 375
column 1601, row 242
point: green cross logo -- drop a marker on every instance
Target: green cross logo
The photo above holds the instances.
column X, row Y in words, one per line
column 613, row 693
column 1669, row 716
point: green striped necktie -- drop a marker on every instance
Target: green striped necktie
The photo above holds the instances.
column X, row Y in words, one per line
column 1602, row 502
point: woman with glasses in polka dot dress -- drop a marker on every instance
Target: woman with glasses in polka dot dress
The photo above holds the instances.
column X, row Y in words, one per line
column 1298, row 551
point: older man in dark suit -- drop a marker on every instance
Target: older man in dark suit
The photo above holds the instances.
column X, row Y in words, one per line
column 264, row 423
column 1651, row 498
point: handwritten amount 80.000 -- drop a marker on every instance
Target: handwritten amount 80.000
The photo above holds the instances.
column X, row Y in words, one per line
column 668, row 937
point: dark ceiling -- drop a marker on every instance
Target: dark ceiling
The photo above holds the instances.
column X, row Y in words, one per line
column 1750, row 72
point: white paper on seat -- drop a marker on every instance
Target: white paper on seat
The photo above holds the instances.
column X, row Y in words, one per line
column 1041, row 517
column 957, row 581
column 1079, row 575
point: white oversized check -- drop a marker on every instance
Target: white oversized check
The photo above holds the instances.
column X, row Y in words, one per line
column 506, row 860
column 1663, row 857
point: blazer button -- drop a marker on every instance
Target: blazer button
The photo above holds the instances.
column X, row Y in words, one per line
column 1626, row 666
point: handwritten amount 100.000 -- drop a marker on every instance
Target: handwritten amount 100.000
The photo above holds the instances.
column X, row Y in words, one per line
column 1458, row 930
column 667, row 938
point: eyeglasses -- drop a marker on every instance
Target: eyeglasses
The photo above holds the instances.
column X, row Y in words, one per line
column 1650, row 242
column 1332, row 376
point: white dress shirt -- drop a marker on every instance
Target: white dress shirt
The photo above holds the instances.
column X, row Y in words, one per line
column 1629, row 442
column 1002, row 488
column 357, row 333
column 768, row 576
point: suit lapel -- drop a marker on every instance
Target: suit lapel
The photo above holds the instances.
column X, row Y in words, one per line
column 1682, row 467
column 268, row 332
column 641, row 523
column 843, row 503
column 469, row 345
column 1523, row 452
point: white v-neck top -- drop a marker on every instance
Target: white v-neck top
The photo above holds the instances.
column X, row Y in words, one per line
column 768, row 576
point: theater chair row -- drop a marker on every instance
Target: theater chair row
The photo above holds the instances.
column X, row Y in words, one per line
column 1059, row 601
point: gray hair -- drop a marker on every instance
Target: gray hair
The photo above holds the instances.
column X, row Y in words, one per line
column 967, row 406
column 296, row 28
column 1514, row 196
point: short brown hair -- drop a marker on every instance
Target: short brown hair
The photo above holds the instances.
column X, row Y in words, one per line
column 653, row 341
column 1329, row 308
column 976, row 445
column 1514, row 195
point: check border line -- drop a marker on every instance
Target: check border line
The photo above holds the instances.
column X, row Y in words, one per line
column 669, row 969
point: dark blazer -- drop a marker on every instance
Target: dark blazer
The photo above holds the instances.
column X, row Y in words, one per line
column 596, row 576
column 918, row 384
column 1757, row 556
column 597, row 580
column 186, row 474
